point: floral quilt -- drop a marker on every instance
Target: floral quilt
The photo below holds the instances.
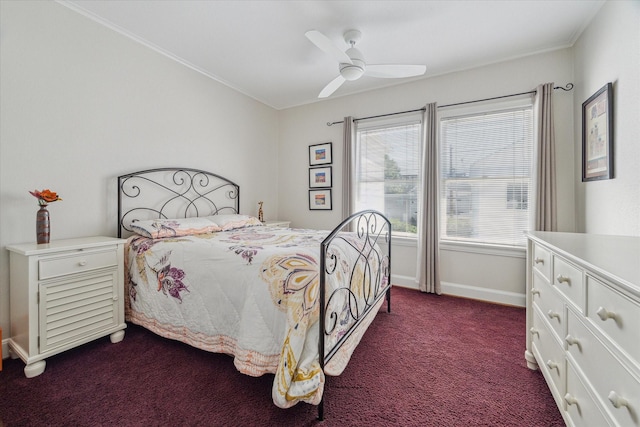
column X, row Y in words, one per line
column 250, row 292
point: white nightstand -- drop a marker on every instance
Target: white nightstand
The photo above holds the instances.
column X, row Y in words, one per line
column 277, row 224
column 64, row 294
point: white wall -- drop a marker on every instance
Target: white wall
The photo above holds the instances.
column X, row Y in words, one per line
column 609, row 51
column 82, row 104
column 490, row 276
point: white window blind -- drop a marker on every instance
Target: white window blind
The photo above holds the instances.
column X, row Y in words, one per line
column 387, row 172
column 485, row 166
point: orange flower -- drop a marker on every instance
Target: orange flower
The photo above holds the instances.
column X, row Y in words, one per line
column 49, row 196
column 45, row 196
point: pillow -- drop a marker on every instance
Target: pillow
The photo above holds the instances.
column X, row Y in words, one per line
column 233, row 221
column 160, row 228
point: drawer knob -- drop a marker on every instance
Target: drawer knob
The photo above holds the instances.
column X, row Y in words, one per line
column 535, row 291
column 562, row 279
column 82, row 263
column 605, row 314
column 617, row 400
column 571, row 340
column 553, row 314
column 534, row 331
column 539, row 260
column 552, row 365
column 570, row 399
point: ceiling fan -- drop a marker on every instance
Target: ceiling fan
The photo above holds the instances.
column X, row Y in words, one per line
column 352, row 65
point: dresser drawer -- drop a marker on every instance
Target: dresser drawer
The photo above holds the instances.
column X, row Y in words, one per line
column 76, row 262
column 581, row 409
column 568, row 280
column 615, row 315
column 549, row 353
column 616, row 387
column 542, row 261
column 550, row 303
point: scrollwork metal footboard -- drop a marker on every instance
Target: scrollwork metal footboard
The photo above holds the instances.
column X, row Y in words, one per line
column 367, row 236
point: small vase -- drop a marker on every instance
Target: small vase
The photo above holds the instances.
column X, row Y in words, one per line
column 42, row 225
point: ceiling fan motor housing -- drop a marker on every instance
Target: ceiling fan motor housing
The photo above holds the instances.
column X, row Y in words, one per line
column 355, row 70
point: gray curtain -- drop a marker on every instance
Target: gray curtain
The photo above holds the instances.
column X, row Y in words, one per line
column 545, row 215
column 347, row 166
column 428, row 272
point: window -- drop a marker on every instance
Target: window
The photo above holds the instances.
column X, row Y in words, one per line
column 485, row 170
column 387, row 171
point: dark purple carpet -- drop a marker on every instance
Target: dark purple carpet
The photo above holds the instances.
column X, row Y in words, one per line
column 433, row 361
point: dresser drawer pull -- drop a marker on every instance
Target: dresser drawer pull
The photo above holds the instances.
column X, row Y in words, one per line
column 82, row 263
column 539, row 260
column 617, row 400
column 570, row 399
column 534, row 331
column 553, row 314
column 535, row 291
column 562, row 279
column 605, row 314
column 553, row 365
column 571, row 340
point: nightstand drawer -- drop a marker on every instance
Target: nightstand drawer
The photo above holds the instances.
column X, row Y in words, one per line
column 76, row 262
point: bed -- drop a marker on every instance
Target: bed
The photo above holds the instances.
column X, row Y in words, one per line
column 290, row 302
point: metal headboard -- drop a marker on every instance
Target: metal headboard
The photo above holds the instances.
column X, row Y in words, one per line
column 173, row 193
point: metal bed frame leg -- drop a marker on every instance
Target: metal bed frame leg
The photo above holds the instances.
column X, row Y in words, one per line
column 389, row 300
column 321, row 410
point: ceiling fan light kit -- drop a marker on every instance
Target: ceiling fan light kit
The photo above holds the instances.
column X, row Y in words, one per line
column 351, row 63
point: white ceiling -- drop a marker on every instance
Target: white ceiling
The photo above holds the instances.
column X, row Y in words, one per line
column 259, row 47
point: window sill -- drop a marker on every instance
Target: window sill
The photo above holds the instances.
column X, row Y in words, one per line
column 398, row 240
column 485, row 249
column 475, row 248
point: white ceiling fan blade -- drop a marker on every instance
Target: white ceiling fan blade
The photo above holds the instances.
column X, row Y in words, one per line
column 332, row 87
column 395, row 71
column 327, row 46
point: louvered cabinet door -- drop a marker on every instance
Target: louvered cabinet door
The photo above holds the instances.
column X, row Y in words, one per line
column 74, row 309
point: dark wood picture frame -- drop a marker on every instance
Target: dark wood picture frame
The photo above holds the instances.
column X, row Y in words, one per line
column 597, row 135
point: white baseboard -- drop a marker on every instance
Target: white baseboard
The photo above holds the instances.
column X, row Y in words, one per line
column 466, row 291
column 484, row 294
column 404, row 281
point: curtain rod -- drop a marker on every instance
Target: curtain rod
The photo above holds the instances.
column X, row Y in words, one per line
column 567, row 88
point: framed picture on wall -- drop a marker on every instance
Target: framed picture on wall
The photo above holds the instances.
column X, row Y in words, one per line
column 320, row 177
column 320, row 200
column 597, row 135
column 320, row 154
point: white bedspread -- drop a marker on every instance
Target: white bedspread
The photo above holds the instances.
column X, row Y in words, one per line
column 251, row 293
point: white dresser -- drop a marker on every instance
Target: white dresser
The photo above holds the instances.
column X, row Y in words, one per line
column 583, row 324
column 63, row 294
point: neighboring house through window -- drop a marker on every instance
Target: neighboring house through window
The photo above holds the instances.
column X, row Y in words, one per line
column 485, row 171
